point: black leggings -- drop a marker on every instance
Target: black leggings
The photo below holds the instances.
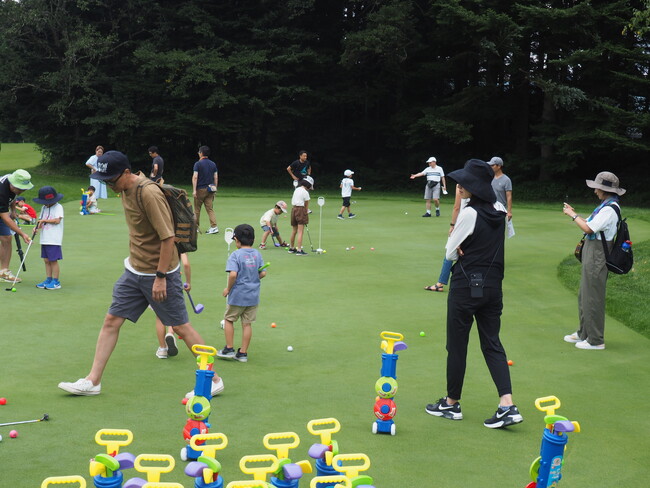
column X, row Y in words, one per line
column 461, row 311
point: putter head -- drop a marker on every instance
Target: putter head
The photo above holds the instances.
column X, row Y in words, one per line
column 199, row 308
column 276, row 244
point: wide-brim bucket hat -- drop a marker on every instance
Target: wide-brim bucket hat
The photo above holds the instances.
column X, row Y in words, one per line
column 476, row 177
column 606, row 181
column 47, row 195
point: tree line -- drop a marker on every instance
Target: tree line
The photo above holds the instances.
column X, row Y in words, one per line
column 557, row 88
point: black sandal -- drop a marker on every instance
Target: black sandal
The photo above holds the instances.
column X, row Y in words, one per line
column 434, row 288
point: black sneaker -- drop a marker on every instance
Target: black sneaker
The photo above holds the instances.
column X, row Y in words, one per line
column 437, row 213
column 172, row 349
column 504, row 418
column 442, row 409
column 292, row 250
column 427, row 215
column 300, row 253
column 242, row 357
column 226, row 353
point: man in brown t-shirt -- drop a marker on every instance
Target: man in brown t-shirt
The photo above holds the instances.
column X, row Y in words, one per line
column 151, row 274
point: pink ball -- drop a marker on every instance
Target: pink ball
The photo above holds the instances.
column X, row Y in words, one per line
column 3, row 401
column 13, row 434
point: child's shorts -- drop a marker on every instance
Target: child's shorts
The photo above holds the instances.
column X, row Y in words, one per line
column 51, row 252
column 299, row 216
column 247, row 314
column 346, row 201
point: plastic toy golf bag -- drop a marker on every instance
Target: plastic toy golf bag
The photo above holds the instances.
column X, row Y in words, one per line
column 386, row 386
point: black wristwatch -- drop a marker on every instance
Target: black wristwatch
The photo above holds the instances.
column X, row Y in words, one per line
column 160, row 274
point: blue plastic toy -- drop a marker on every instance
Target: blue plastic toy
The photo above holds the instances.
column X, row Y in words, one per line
column 546, row 470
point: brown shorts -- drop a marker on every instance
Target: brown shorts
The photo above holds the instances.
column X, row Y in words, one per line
column 299, row 216
column 234, row 312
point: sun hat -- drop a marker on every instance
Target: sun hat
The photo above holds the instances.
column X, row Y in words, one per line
column 496, row 160
column 348, row 172
column 110, row 165
column 606, row 181
column 476, row 176
column 432, row 160
column 21, row 179
column 282, row 205
column 47, row 195
column 309, row 180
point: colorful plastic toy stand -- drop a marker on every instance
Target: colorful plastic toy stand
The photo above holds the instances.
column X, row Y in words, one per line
column 386, row 386
column 206, row 470
column 546, row 470
column 198, row 407
column 106, row 469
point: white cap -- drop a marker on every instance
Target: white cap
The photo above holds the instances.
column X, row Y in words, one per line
column 432, row 160
column 348, row 172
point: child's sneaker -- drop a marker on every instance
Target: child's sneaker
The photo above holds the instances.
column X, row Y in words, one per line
column 300, row 253
column 262, row 246
column 339, row 216
column 503, row 417
column 437, row 212
column 292, row 250
column 172, row 348
column 226, row 353
column 44, row 283
column 162, row 353
column 351, row 216
column 284, row 244
column 53, row 285
column 242, row 357
column 442, row 409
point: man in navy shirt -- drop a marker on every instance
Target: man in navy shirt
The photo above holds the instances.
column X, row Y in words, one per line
column 204, row 186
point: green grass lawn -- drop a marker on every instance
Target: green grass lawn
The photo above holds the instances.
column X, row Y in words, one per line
column 331, row 308
column 18, row 156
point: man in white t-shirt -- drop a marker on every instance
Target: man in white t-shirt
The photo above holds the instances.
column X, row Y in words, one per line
column 435, row 177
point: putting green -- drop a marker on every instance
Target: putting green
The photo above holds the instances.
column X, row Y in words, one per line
column 331, row 309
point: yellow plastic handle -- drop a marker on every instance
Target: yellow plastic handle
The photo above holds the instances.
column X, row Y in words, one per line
column 248, row 484
column 162, row 485
column 351, row 470
column 389, row 340
column 203, row 352
column 274, row 442
column 549, row 409
column 346, row 483
column 259, row 472
column 113, row 445
column 209, row 450
column 61, row 480
column 315, row 427
column 166, row 464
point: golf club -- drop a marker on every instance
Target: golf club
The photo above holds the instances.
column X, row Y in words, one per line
column 262, row 268
column 45, row 417
column 19, row 247
column 23, row 261
column 321, row 202
column 310, row 243
column 228, row 237
column 197, row 308
column 274, row 241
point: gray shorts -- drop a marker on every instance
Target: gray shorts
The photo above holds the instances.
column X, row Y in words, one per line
column 132, row 295
column 432, row 193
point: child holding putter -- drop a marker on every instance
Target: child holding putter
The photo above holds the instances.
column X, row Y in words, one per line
column 269, row 223
column 50, row 225
column 346, row 186
column 243, row 292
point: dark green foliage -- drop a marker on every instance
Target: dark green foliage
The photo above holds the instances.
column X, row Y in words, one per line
column 558, row 89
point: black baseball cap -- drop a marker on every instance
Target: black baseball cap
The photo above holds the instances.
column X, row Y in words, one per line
column 110, row 165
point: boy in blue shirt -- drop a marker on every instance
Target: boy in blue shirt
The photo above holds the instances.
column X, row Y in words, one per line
column 243, row 292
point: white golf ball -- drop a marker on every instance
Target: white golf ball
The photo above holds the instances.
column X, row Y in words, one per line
column 347, row 248
column 406, row 213
column 290, row 348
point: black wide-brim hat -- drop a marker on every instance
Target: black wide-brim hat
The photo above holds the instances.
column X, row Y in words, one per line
column 476, row 177
column 47, row 195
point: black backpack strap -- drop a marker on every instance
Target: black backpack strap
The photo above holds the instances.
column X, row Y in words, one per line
column 602, row 234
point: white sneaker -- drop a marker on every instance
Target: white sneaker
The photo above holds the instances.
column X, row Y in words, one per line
column 217, row 387
column 9, row 277
column 212, row 230
column 82, row 386
column 162, row 353
column 572, row 338
column 586, row 345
